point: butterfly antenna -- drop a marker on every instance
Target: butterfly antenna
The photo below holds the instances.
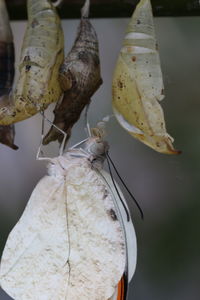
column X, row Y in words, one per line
column 87, row 124
column 113, row 181
column 124, row 184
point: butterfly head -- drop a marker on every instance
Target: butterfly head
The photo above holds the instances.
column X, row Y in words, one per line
column 96, row 149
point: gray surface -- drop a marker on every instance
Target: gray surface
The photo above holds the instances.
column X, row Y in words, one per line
column 167, row 187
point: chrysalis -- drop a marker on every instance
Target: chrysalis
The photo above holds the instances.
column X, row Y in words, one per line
column 41, row 56
column 138, row 83
column 79, row 78
column 7, row 60
column 73, row 240
column 7, row 134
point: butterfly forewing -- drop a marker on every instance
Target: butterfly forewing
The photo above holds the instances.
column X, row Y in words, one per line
column 69, row 243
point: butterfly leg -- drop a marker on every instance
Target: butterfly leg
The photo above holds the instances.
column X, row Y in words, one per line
column 44, row 118
column 62, row 146
column 87, row 124
column 39, row 152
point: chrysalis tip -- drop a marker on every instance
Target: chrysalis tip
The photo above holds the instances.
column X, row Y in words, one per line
column 57, row 3
column 173, row 152
column 14, row 147
column 85, row 9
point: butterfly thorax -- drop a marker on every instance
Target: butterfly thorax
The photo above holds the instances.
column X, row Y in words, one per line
column 91, row 153
column 93, row 150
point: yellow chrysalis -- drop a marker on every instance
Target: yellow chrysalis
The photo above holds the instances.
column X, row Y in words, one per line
column 138, row 83
column 41, row 56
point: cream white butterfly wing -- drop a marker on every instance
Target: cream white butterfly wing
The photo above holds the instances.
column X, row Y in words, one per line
column 67, row 245
column 129, row 233
column 129, row 230
column 34, row 261
column 97, row 256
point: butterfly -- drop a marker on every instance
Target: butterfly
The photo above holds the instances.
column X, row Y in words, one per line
column 138, row 84
column 75, row 238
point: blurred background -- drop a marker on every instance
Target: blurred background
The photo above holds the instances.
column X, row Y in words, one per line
column 167, row 187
